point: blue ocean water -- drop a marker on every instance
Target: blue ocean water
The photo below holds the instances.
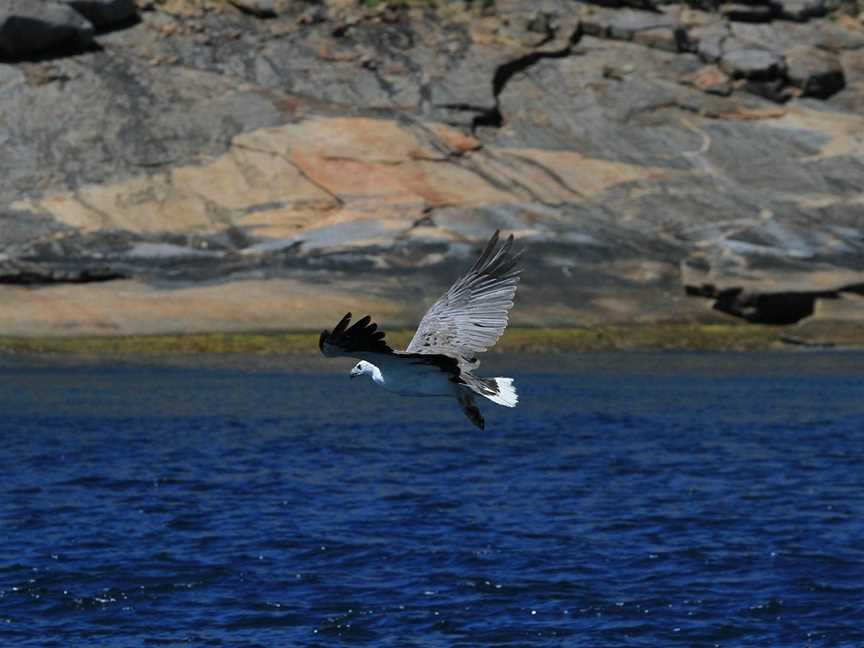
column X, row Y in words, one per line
column 630, row 500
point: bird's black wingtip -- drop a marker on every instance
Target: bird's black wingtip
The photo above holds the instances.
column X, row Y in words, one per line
column 362, row 336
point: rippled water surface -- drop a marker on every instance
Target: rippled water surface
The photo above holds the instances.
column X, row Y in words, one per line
column 630, row 500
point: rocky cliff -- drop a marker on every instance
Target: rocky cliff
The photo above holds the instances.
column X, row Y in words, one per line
column 200, row 165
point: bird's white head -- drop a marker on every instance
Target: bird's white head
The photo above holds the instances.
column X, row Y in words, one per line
column 364, row 368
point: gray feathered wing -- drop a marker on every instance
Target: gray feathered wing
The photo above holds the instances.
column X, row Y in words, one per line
column 471, row 316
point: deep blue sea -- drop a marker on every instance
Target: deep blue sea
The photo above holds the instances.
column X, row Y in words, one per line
column 630, row 500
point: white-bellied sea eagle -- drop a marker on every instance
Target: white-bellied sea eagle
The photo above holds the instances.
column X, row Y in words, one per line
column 442, row 356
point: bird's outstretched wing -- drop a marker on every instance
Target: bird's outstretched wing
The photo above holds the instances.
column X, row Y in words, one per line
column 361, row 338
column 471, row 316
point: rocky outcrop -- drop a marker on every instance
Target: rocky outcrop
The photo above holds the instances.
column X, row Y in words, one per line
column 28, row 28
column 53, row 28
column 660, row 163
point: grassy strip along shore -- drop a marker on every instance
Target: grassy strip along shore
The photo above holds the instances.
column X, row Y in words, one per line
column 694, row 337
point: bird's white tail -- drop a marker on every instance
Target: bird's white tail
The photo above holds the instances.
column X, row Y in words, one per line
column 506, row 393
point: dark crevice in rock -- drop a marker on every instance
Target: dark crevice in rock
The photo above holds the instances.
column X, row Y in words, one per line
column 35, row 278
column 551, row 175
column 493, row 117
column 125, row 23
column 465, row 107
column 508, row 70
column 644, row 5
column 788, row 307
column 67, row 49
column 490, row 119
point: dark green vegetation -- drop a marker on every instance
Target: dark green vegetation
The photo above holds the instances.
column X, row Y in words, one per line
column 696, row 337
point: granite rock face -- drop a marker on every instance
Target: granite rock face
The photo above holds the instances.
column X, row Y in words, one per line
column 267, row 165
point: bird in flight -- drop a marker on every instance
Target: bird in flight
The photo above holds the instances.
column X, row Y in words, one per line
column 441, row 358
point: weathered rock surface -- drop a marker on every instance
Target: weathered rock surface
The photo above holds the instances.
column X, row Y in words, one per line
column 743, row 61
column 206, row 169
column 802, row 10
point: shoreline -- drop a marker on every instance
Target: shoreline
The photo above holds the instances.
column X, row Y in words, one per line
column 607, row 338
